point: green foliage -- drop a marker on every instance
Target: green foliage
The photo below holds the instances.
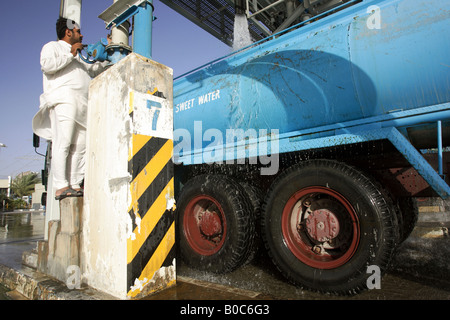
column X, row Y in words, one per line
column 19, row 204
column 23, row 184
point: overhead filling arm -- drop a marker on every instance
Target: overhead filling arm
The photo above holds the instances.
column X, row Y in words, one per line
column 142, row 11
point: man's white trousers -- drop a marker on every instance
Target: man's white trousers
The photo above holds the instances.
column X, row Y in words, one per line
column 68, row 147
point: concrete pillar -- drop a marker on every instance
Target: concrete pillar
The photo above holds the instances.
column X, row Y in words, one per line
column 62, row 249
column 52, row 206
column 128, row 224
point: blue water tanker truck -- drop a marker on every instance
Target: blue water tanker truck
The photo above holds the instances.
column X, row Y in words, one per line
column 313, row 144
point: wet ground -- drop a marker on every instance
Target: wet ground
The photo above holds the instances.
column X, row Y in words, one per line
column 421, row 270
column 19, row 232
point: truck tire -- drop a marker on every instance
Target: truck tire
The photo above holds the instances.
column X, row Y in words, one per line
column 215, row 224
column 324, row 223
column 255, row 197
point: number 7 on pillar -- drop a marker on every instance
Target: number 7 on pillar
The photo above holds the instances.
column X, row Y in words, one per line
column 154, row 104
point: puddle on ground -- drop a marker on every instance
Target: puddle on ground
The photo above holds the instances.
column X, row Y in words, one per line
column 19, row 232
column 21, row 226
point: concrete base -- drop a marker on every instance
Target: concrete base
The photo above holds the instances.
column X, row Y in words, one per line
column 62, row 249
column 30, row 259
column 30, row 284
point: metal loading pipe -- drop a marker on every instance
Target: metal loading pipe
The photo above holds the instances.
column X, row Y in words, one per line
column 120, row 34
column 142, row 33
column 239, row 7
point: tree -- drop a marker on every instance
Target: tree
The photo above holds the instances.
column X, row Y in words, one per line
column 23, row 184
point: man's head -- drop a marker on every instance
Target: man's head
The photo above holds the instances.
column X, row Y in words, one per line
column 69, row 31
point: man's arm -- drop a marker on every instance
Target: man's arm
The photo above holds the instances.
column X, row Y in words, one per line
column 54, row 59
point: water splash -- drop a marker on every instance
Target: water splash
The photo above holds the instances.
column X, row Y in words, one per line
column 241, row 35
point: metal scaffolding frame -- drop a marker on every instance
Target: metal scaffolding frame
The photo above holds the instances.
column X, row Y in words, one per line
column 265, row 17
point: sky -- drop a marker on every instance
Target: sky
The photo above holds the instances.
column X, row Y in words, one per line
column 25, row 26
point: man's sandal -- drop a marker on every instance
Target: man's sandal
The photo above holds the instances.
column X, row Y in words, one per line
column 69, row 193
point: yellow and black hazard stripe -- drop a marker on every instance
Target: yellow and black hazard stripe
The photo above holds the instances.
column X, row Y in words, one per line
column 152, row 245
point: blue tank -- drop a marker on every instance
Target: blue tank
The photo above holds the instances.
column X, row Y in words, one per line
column 376, row 58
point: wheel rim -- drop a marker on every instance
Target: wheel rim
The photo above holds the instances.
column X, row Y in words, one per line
column 320, row 227
column 204, row 225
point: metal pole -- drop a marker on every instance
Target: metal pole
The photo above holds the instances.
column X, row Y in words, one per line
column 440, row 159
column 120, row 35
column 265, row 8
column 142, row 34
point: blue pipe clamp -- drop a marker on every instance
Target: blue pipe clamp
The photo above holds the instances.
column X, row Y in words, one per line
column 95, row 52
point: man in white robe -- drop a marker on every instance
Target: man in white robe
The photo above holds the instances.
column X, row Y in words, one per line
column 62, row 115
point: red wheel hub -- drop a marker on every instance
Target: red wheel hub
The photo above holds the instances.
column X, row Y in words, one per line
column 320, row 227
column 209, row 223
column 204, row 225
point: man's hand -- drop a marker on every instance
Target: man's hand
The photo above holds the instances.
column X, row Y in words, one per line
column 76, row 47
